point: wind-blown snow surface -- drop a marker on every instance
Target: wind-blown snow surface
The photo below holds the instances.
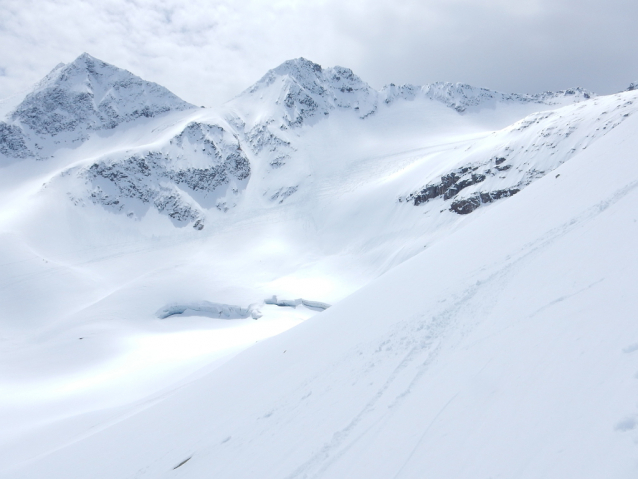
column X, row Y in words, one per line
column 497, row 229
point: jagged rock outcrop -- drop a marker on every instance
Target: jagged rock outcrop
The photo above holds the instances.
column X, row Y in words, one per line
column 13, row 143
column 201, row 167
column 449, row 185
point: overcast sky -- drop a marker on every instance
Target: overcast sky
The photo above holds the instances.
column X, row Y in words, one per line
column 208, row 51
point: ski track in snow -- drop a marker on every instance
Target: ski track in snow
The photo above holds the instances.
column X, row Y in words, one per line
column 429, row 333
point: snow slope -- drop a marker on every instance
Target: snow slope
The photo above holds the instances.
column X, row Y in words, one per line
column 308, row 185
column 507, row 350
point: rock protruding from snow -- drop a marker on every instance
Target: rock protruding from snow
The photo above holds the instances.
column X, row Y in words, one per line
column 633, row 86
column 89, row 94
column 13, row 143
column 201, row 167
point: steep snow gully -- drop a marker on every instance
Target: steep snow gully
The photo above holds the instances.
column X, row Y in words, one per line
column 469, row 255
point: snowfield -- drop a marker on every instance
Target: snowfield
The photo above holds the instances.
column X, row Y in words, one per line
column 320, row 280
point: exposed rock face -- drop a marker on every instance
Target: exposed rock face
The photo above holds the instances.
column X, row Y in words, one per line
column 458, row 180
column 89, row 94
column 449, row 185
column 282, row 193
column 13, row 142
column 193, row 172
column 464, row 206
column 272, row 148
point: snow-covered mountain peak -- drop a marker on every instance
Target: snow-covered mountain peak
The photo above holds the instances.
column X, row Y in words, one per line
column 89, row 94
column 300, row 90
column 304, row 72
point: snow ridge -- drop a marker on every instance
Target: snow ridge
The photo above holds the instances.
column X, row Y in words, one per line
column 463, row 97
column 525, row 151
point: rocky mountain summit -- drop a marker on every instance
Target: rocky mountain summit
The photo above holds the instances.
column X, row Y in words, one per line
column 89, row 94
column 77, row 98
column 304, row 92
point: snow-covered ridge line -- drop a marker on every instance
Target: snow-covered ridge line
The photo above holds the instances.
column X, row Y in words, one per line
column 524, row 152
column 462, row 97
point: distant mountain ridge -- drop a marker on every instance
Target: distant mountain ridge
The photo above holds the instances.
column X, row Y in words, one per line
column 208, row 164
column 303, row 90
column 463, row 97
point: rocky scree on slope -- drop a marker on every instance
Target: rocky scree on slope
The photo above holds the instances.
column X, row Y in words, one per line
column 75, row 99
column 201, row 167
column 524, row 152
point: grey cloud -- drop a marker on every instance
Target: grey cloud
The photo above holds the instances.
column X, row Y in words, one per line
column 207, row 52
